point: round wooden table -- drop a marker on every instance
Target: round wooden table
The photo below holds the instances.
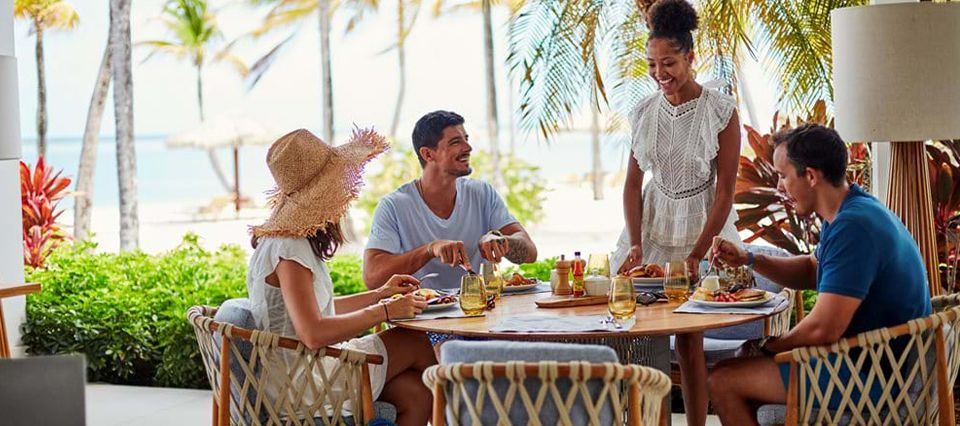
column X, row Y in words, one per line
column 646, row 343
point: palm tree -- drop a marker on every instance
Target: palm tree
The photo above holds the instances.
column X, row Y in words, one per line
column 88, row 152
column 120, row 52
column 195, row 36
column 44, row 15
column 549, row 43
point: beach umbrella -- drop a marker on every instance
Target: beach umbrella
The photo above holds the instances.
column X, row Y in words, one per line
column 226, row 131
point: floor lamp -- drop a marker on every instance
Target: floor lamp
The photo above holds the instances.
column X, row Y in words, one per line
column 896, row 77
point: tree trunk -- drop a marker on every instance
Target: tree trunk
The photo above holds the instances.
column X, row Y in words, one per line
column 326, row 74
column 402, row 61
column 123, row 107
column 596, row 173
column 88, row 153
column 200, row 92
column 41, row 95
column 744, row 90
column 493, row 127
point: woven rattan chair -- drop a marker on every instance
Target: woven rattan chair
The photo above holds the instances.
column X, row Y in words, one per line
column 573, row 393
column 249, row 367
column 902, row 385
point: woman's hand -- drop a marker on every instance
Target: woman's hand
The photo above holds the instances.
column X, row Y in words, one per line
column 634, row 257
column 693, row 268
column 399, row 284
column 407, row 306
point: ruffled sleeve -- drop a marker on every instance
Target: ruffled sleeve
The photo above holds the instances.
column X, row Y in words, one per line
column 643, row 135
column 717, row 112
column 269, row 252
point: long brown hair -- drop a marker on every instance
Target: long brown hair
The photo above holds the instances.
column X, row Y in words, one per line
column 324, row 242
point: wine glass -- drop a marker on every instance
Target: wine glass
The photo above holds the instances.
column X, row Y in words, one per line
column 599, row 263
column 676, row 283
column 493, row 282
column 622, row 301
column 472, row 295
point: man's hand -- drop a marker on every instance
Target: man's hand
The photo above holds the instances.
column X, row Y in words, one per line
column 399, row 284
column 729, row 253
column 493, row 247
column 634, row 257
column 407, row 306
column 450, row 252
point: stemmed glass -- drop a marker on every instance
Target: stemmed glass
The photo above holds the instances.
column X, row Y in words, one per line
column 472, row 295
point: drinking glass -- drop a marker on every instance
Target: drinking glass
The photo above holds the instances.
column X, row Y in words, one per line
column 599, row 263
column 493, row 282
column 676, row 284
column 622, row 301
column 472, row 295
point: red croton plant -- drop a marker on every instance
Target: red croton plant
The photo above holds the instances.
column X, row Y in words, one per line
column 40, row 191
column 767, row 212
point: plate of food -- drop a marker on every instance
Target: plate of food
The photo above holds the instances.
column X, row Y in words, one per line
column 743, row 298
column 435, row 300
column 649, row 275
column 518, row 283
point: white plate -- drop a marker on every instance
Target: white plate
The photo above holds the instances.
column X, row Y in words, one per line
column 440, row 306
column 513, row 288
column 648, row 282
column 747, row 304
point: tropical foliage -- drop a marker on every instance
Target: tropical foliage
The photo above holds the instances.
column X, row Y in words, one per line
column 768, row 213
column 44, row 15
column 524, row 192
column 557, row 49
column 41, row 190
column 944, row 161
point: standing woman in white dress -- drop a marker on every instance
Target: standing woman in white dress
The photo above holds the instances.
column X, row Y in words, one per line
column 688, row 138
column 289, row 284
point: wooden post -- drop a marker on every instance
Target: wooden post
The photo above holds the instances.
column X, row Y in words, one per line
column 216, row 413
column 439, row 403
column 944, row 390
column 911, row 198
column 4, row 345
column 224, row 415
column 793, row 408
column 366, row 393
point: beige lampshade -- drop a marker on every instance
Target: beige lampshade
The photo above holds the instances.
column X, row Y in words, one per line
column 9, row 110
column 896, row 71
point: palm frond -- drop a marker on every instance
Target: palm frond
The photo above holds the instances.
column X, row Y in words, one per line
column 260, row 66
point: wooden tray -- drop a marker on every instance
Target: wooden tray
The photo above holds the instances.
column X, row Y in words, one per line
column 570, row 301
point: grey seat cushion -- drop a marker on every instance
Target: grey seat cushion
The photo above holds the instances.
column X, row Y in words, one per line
column 502, row 351
column 715, row 350
column 239, row 313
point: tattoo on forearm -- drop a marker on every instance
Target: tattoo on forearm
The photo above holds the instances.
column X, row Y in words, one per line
column 518, row 251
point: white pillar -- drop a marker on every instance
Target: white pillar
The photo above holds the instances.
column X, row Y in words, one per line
column 11, row 240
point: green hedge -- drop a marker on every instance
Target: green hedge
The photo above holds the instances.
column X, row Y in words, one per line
column 127, row 311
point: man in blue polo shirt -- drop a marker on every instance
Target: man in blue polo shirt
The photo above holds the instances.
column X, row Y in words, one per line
column 867, row 270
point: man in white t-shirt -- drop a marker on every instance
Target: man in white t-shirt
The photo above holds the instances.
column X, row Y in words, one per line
column 443, row 222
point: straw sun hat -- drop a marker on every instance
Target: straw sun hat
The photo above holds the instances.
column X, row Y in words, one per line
column 315, row 182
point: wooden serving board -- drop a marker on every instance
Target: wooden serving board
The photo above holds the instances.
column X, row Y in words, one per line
column 570, row 301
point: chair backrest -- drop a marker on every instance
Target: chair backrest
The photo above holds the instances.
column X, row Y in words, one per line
column 890, row 373
column 45, row 390
column 283, row 381
column 753, row 329
column 500, row 382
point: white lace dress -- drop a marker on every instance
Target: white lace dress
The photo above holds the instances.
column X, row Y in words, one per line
column 270, row 312
column 678, row 146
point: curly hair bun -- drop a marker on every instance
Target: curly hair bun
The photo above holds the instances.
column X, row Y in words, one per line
column 673, row 18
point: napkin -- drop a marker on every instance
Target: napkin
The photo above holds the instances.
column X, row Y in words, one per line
column 555, row 324
column 775, row 304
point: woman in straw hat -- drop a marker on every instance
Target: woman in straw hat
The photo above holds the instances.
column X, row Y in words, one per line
column 289, row 283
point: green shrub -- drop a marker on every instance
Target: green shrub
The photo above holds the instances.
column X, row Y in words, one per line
column 524, row 195
column 539, row 270
column 127, row 311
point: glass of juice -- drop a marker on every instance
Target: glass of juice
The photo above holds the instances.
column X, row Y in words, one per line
column 622, row 301
column 472, row 294
column 492, row 280
column 676, row 283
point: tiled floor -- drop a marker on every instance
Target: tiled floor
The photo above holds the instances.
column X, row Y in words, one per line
column 110, row 405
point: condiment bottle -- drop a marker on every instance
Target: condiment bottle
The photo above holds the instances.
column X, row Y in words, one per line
column 563, row 279
column 579, row 289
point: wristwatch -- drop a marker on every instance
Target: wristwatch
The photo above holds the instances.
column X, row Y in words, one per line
column 762, row 347
column 750, row 258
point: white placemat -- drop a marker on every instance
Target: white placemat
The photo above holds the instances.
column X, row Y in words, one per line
column 773, row 305
column 553, row 324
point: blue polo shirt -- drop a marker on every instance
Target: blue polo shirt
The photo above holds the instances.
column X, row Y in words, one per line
column 867, row 253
